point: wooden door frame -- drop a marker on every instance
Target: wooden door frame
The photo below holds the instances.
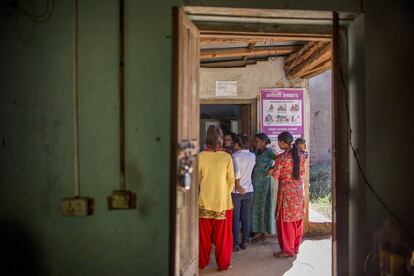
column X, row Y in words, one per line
column 340, row 157
column 178, row 17
column 340, row 163
column 251, row 102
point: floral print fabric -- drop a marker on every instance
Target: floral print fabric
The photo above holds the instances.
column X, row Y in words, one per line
column 291, row 192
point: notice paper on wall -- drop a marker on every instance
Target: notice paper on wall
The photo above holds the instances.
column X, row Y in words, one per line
column 281, row 110
column 226, row 88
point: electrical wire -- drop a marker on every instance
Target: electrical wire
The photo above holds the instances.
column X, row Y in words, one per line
column 38, row 18
column 15, row 12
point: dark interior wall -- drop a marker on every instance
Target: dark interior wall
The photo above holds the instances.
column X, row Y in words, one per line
column 230, row 111
column 357, row 103
column 36, row 148
column 388, row 110
column 381, row 115
column 36, row 131
column 389, row 98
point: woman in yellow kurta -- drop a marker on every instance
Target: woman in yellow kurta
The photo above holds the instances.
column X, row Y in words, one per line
column 216, row 175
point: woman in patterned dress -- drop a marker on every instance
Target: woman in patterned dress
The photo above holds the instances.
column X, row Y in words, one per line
column 290, row 207
column 263, row 219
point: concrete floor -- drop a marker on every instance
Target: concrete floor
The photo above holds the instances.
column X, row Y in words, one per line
column 314, row 259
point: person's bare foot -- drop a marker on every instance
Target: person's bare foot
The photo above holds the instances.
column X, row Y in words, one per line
column 224, row 270
column 257, row 237
column 282, row 255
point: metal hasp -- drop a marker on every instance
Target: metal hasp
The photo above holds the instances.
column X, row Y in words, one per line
column 188, row 151
column 77, row 205
column 185, row 171
column 122, row 199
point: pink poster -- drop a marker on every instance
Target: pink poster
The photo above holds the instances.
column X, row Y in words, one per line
column 281, row 109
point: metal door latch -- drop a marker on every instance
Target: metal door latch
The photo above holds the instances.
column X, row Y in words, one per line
column 185, row 171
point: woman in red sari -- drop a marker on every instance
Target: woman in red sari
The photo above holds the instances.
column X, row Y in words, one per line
column 289, row 170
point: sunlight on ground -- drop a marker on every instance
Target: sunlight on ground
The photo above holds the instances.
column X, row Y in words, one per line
column 313, row 259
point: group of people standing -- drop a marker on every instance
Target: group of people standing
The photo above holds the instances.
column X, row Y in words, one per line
column 237, row 194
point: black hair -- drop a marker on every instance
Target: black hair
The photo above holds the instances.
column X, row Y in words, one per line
column 263, row 137
column 300, row 141
column 243, row 140
column 232, row 135
column 287, row 137
column 214, row 137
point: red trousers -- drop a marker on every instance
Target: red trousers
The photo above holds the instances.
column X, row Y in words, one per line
column 289, row 235
column 220, row 233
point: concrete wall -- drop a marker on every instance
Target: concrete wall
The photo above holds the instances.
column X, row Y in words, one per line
column 36, row 159
column 320, row 90
column 249, row 79
column 36, row 150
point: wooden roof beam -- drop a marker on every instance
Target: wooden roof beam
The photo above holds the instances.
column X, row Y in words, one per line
column 219, row 39
column 248, row 52
column 317, row 70
column 312, row 57
column 228, row 64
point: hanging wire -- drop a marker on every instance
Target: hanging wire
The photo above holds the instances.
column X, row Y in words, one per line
column 17, row 14
column 75, row 98
column 38, row 18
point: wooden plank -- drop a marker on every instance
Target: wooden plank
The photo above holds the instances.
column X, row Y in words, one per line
column 228, row 64
column 206, row 38
column 207, row 27
column 308, row 61
column 265, row 13
column 317, row 70
column 245, row 52
column 304, row 52
column 185, row 130
column 251, row 47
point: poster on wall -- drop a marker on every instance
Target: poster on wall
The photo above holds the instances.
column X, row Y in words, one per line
column 226, row 88
column 281, row 109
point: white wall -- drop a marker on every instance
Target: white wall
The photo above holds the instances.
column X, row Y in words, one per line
column 321, row 117
column 249, row 79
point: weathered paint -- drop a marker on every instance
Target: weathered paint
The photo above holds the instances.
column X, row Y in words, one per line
column 36, row 132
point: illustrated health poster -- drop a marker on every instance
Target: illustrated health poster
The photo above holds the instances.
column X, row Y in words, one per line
column 281, row 109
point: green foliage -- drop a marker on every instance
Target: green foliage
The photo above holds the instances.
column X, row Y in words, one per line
column 320, row 180
column 322, row 205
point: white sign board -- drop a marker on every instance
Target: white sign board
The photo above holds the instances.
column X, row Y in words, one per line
column 226, row 88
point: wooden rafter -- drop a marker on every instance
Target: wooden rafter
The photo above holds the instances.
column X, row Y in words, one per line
column 255, row 28
column 228, row 64
column 318, row 69
column 251, row 49
column 313, row 58
column 226, row 39
column 248, row 52
column 304, row 53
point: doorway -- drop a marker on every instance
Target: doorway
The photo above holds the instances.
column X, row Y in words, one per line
column 231, row 115
column 187, row 142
